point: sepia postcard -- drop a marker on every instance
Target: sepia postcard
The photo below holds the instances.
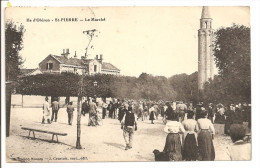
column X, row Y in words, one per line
column 127, row 84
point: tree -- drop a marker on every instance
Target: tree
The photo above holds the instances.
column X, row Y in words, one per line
column 185, row 86
column 56, row 85
column 232, row 55
column 69, row 84
column 232, row 51
column 13, row 45
column 13, row 61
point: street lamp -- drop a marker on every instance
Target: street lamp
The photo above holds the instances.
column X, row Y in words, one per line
column 95, row 85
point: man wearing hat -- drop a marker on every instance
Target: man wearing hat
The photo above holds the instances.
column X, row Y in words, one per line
column 199, row 110
column 129, row 125
column 211, row 112
column 46, row 111
column 181, row 109
column 122, row 110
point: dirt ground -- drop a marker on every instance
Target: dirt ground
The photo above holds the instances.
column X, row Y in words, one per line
column 101, row 143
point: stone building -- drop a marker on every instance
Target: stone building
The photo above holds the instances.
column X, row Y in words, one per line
column 64, row 63
column 205, row 52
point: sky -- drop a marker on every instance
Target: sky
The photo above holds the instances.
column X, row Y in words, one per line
column 162, row 41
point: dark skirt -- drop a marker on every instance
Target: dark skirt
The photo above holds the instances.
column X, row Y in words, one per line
column 104, row 112
column 173, row 147
column 121, row 115
column 205, row 146
column 190, row 148
column 227, row 126
column 220, row 119
column 140, row 114
column 152, row 116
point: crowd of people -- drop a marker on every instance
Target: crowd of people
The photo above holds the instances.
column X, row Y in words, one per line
column 190, row 130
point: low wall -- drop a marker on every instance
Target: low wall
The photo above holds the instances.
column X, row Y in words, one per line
column 36, row 101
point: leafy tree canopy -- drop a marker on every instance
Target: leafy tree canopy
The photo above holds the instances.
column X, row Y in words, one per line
column 68, row 84
column 232, row 55
column 13, row 45
column 232, row 51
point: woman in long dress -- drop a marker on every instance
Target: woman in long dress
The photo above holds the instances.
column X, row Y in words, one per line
column 173, row 147
column 205, row 136
column 190, row 147
column 140, row 112
column 99, row 114
column 92, row 113
column 152, row 114
column 145, row 112
column 229, row 117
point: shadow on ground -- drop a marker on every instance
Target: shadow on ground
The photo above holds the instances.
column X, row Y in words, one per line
column 49, row 141
column 119, row 146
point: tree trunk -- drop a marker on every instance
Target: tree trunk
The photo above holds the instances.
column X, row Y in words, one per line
column 8, row 106
column 78, row 146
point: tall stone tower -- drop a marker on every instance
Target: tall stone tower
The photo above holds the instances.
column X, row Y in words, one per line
column 205, row 52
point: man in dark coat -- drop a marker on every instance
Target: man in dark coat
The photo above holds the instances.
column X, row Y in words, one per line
column 238, row 117
column 129, row 125
column 114, row 107
column 55, row 109
column 170, row 115
column 122, row 111
column 85, row 108
column 110, row 109
column 211, row 112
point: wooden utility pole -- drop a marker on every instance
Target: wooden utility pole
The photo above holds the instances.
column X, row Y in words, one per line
column 78, row 145
column 90, row 34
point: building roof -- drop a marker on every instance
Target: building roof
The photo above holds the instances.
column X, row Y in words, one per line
column 70, row 61
column 205, row 13
column 26, row 71
column 74, row 61
column 61, row 59
column 80, row 62
column 109, row 66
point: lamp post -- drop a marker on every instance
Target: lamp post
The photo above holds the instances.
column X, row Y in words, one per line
column 95, row 85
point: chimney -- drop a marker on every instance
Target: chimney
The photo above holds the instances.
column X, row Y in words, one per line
column 66, row 54
column 85, row 56
column 75, row 56
column 96, row 57
column 101, row 58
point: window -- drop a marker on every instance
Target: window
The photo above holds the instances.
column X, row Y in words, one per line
column 95, row 68
column 49, row 66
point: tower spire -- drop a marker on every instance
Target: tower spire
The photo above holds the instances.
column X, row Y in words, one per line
column 205, row 52
column 205, row 13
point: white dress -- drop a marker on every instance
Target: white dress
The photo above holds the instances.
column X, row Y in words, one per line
column 46, row 110
column 99, row 115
